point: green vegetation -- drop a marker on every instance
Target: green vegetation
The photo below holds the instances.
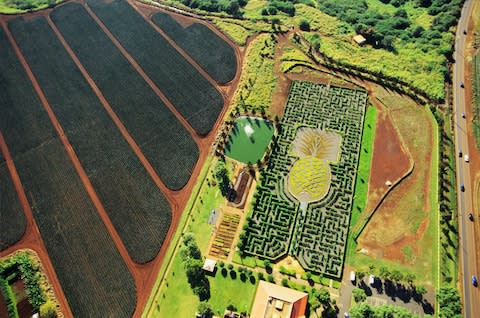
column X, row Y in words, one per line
column 211, row 52
column 24, row 265
column 476, row 98
column 229, row 6
column 447, row 197
column 449, row 302
column 359, row 295
column 364, row 165
column 365, row 310
column 249, row 139
column 191, row 94
column 258, row 80
column 73, row 233
column 272, row 239
column 141, row 111
column 21, row 6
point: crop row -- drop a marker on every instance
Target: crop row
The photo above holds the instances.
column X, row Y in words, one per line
column 315, row 233
column 164, row 141
column 92, row 273
column 193, row 96
column 12, row 219
column 210, row 51
column 137, row 208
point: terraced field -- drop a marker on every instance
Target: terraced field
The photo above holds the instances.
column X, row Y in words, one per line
column 212, row 53
column 159, row 134
column 193, row 96
column 94, row 276
column 314, row 233
column 137, row 208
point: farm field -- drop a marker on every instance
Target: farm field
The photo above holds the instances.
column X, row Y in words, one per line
column 193, row 96
column 290, row 229
column 411, row 209
column 137, row 208
column 12, row 219
column 159, row 134
column 248, row 139
column 83, row 254
column 212, row 53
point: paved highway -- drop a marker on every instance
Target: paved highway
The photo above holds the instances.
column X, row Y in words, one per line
column 467, row 251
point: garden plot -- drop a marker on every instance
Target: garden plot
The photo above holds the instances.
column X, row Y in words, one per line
column 315, row 233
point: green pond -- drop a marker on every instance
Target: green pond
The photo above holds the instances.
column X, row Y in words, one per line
column 249, row 139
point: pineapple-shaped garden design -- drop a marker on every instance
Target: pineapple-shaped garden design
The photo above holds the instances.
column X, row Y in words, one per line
column 310, row 176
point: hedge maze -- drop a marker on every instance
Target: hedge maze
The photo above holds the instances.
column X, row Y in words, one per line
column 315, row 233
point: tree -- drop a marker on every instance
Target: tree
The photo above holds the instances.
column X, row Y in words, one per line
column 304, row 25
column 421, row 290
column 48, row 310
column 197, row 279
column 359, row 295
column 396, row 276
column 449, row 302
column 323, row 295
column 204, row 309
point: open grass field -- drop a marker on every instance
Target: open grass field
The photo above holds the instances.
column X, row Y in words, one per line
column 249, row 139
column 193, row 96
column 211, row 52
column 410, row 211
column 162, row 138
column 137, row 208
column 85, row 258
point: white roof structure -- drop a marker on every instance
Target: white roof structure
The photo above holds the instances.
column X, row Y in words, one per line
column 209, row 265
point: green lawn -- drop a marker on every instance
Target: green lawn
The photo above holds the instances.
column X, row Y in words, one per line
column 175, row 298
column 226, row 291
column 248, row 139
column 366, row 152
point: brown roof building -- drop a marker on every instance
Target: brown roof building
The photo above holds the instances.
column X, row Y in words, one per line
column 273, row 301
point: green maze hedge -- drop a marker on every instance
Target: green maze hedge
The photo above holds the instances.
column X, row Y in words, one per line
column 316, row 235
column 210, row 51
column 12, row 219
column 164, row 141
column 137, row 208
column 193, row 96
column 92, row 273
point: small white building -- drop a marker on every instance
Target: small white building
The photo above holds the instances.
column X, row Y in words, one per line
column 209, row 265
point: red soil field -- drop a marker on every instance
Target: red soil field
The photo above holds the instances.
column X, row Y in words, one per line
column 393, row 213
column 145, row 274
column 23, row 306
column 3, row 307
column 390, row 161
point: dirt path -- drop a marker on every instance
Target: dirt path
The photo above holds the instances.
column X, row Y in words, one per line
column 32, row 238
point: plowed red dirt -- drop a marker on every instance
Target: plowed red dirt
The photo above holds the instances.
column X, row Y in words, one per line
column 390, row 161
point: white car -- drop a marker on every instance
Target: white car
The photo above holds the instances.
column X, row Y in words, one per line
column 466, row 158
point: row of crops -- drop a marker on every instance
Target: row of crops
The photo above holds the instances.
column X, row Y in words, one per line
column 213, row 54
column 12, row 219
column 94, row 276
column 138, row 210
column 194, row 97
column 316, row 233
column 156, row 130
